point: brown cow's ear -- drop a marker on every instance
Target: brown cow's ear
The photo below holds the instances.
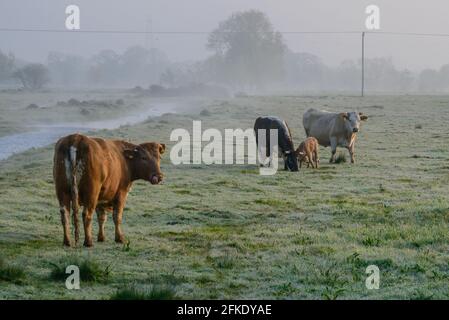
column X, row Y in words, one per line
column 344, row 115
column 296, row 152
column 161, row 148
column 363, row 117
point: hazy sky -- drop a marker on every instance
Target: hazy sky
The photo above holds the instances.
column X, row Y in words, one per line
column 203, row 15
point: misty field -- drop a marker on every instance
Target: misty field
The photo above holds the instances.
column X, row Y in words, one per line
column 224, row 231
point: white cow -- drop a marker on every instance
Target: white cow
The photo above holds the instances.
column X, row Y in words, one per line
column 333, row 129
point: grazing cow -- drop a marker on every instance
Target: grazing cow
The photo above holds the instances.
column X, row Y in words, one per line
column 333, row 129
column 308, row 152
column 285, row 142
column 97, row 174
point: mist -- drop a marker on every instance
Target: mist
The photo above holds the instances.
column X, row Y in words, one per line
column 171, row 53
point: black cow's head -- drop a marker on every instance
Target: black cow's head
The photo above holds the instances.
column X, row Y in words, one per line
column 291, row 160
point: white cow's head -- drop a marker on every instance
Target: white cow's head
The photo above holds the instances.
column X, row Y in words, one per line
column 352, row 120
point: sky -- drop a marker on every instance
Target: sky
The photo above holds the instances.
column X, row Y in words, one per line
column 412, row 52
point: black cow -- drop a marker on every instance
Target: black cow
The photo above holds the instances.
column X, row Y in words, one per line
column 285, row 142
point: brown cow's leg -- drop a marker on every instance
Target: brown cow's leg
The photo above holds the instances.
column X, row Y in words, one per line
column 351, row 153
column 87, row 221
column 64, row 209
column 65, row 219
column 101, row 217
column 118, row 213
column 315, row 157
column 310, row 158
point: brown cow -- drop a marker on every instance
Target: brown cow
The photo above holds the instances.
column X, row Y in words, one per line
column 97, row 174
column 308, row 152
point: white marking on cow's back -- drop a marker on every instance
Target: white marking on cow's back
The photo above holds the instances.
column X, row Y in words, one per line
column 67, row 169
column 70, row 164
column 72, row 152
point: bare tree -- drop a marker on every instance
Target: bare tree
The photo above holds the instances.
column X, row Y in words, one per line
column 248, row 48
column 33, row 76
column 6, row 66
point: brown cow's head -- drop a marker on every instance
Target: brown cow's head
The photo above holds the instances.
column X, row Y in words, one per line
column 300, row 155
column 145, row 161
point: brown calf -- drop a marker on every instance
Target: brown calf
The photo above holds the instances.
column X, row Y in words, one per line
column 308, row 152
column 97, row 174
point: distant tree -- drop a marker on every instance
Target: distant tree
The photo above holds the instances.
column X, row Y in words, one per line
column 105, row 68
column 348, row 75
column 6, row 66
column 429, row 80
column 305, row 70
column 33, row 76
column 134, row 64
column 249, row 49
column 140, row 65
column 444, row 77
column 406, row 80
column 167, row 78
column 66, row 69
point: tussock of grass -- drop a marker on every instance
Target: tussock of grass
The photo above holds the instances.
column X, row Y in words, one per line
column 371, row 242
column 167, row 279
column 332, row 293
column 205, row 113
column 156, row 292
column 11, row 273
column 341, row 158
column 223, row 262
column 274, row 203
column 302, row 239
column 90, row 271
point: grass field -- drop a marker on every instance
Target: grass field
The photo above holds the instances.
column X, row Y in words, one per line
column 227, row 232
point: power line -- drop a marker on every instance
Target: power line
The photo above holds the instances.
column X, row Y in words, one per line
column 409, row 34
column 162, row 32
column 207, row 32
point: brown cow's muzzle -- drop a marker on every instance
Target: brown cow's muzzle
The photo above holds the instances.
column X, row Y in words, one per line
column 156, row 178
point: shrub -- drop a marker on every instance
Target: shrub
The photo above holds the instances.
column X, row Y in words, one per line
column 224, row 262
column 156, row 292
column 14, row 274
column 32, row 106
column 90, row 271
column 341, row 158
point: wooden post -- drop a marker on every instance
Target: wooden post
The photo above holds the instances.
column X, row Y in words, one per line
column 363, row 63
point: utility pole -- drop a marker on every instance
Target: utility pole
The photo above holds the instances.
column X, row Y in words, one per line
column 363, row 63
column 148, row 33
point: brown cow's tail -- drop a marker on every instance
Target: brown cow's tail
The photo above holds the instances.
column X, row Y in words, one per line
column 74, row 190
